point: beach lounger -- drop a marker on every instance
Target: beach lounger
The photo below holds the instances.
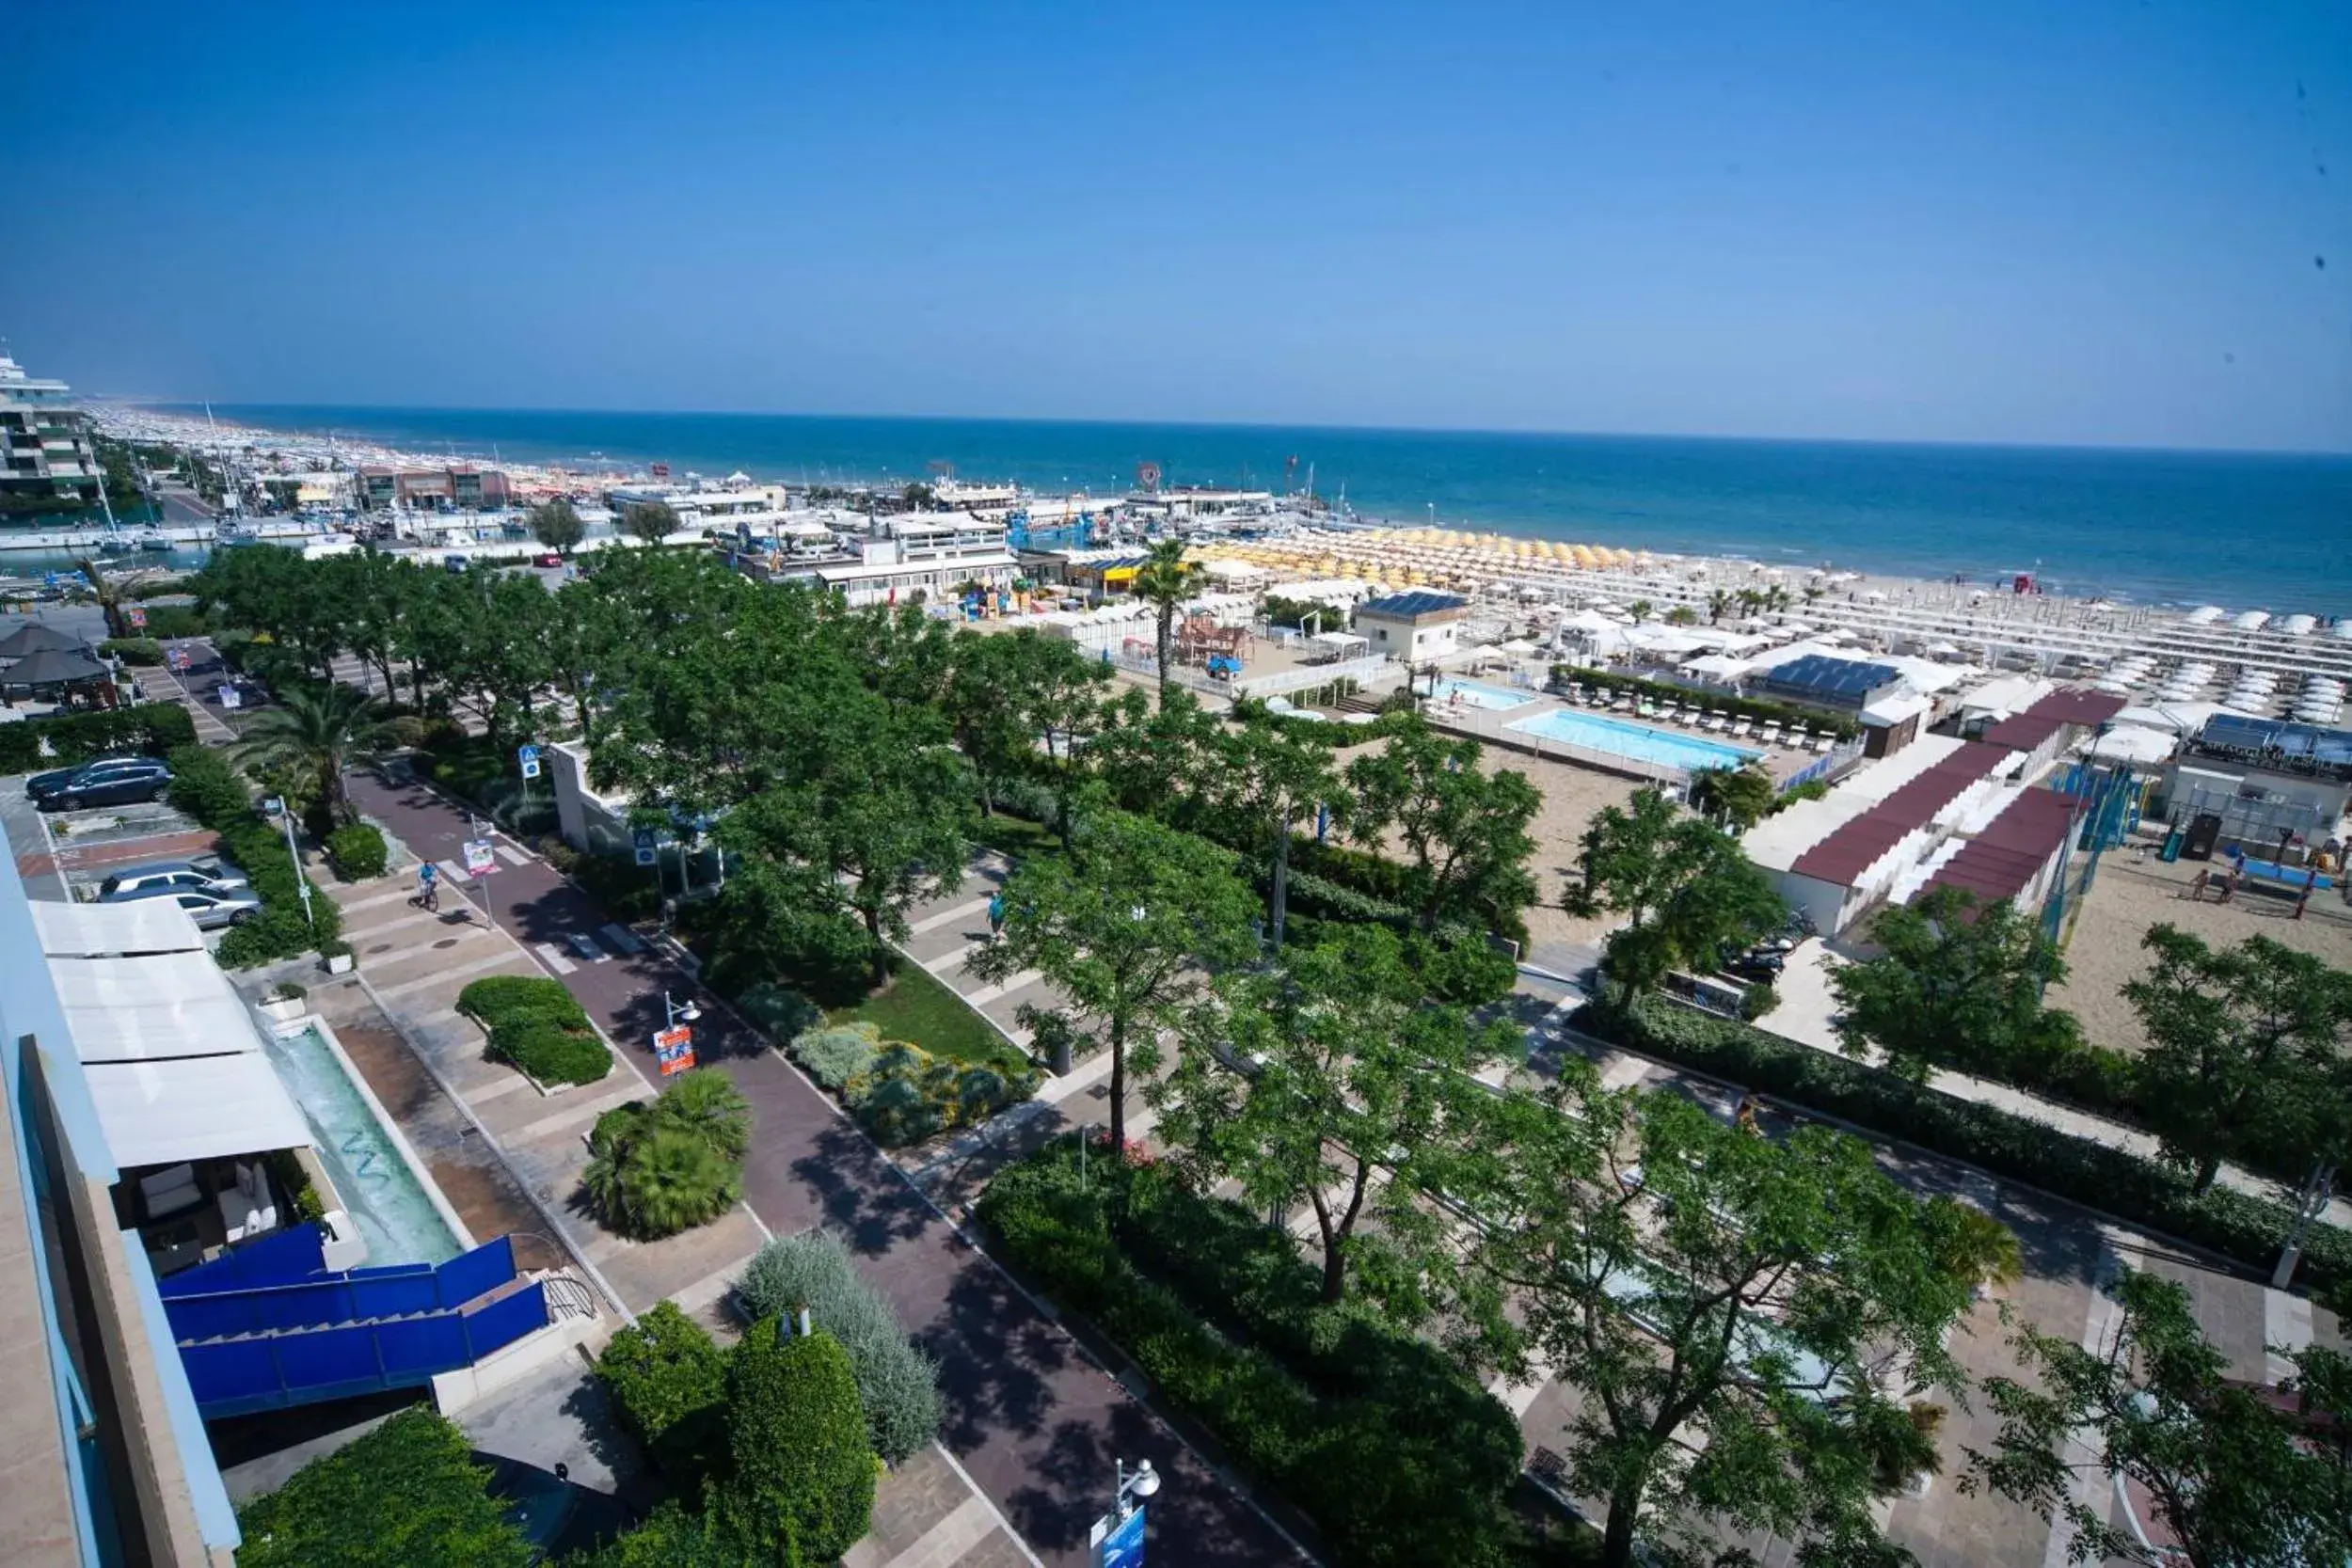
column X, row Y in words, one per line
column 1769, row 735
column 1822, row 743
column 1740, row 729
column 1623, row 704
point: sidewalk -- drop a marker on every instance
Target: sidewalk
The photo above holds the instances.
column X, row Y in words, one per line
column 1033, row 1420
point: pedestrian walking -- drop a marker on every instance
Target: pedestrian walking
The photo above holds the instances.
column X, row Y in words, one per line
column 995, row 914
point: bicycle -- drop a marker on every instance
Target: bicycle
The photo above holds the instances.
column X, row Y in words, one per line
column 429, row 901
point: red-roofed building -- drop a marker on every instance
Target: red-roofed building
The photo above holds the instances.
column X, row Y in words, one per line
column 2053, row 723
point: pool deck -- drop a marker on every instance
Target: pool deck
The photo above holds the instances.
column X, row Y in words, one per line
column 1494, row 727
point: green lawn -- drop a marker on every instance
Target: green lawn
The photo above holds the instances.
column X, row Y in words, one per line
column 1015, row 836
column 916, row 1008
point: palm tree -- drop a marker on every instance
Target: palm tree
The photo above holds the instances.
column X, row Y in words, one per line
column 1640, row 608
column 112, row 594
column 1167, row 580
column 319, row 732
column 1718, row 601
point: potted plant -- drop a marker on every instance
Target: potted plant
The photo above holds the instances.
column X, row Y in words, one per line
column 339, row 955
column 285, row 1002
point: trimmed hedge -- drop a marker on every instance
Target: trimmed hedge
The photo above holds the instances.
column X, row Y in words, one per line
column 667, row 1378
column 151, row 729
column 144, row 651
column 537, row 1025
column 1398, row 1457
column 204, row 785
column 2239, row 1226
column 358, row 851
column 896, row 1384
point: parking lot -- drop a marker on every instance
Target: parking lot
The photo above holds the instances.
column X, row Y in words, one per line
column 66, row 854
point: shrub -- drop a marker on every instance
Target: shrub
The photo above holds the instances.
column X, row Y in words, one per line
column 2237, row 1225
column 909, row 1095
column 151, row 729
column 550, row 1053
column 358, row 851
column 177, row 620
column 803, row 1475
column 537, row 1025
column 208, row 787
column 660, row 1166
column 835, row 1057
column 668, row 1382
column 672, row 1536
column 778, row 1013
column 143, row 651
column 896, row 1384
column 407, row 1494
column 1398, row 1457
column 1758, row 1001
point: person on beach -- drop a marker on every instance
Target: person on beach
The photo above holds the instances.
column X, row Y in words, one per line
column 2197, row 888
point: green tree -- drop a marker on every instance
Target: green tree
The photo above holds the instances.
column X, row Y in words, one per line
column 2246, row 1053
column 407, row 1494
column 804, row 1483
column 1331, row 1081
column 1123, row 926
column 1743, row 1318
column 1955, row 985
column 1061, row 690
column 875, row 820
column 318, row 732
column 648, row 522
column 1267, row 779
column 1741, row 796
column 987, row 703
column 660, row 1166
column 1682, row 615
column 1158, row 759
column 1466, row 829
column 2235, row 1479
column 1686, row 888
column 1167, row 580
column 555, row 523
column 114, row 593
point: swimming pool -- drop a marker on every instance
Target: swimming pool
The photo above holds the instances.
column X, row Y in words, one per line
column 1475, row 694
column 1635, row 742
column 384, row 1197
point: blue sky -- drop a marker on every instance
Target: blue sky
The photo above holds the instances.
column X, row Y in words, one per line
column 2094, row 222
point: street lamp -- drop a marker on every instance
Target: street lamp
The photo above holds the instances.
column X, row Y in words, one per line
column 1143, row 1482
column 276, row 807
column 680, row 1012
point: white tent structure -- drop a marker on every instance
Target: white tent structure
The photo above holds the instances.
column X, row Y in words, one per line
column 175, row 1067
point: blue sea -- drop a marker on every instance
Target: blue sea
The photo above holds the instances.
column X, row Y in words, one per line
column 2246, row 530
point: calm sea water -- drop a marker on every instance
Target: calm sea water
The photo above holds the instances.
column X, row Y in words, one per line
column 2242, row 530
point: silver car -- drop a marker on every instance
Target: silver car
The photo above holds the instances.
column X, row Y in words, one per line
column 212, row 907
column 210, row 873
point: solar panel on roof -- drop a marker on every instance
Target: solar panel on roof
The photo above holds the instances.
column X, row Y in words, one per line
column 1412, row 604
column 1835, row 677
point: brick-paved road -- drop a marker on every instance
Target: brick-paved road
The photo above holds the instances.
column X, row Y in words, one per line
column 1035, row 1422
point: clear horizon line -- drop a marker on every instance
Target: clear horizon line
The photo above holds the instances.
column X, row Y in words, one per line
column 1506, row 431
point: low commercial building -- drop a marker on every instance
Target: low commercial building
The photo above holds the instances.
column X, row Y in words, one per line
column 2251, row 781
column 460, row 487
column 1416, row 627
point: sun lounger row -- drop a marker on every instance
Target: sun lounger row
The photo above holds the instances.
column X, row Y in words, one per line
column 1708, row 720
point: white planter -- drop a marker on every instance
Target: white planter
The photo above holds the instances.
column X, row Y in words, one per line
column 284, row 1009
column 340, row 963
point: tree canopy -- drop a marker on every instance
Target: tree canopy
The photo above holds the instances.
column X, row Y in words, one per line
column 556, row 524
column 1955, row 985
column 2246, row 1054
column 1465, row 829
column 2227, row 1476
column 1125, row 927
column 648, row 522
column 1331, row 1081
column 1745, row 1320
column 1686, row 888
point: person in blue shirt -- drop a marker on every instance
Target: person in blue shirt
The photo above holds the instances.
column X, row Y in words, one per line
column 995, row 914
column 424, row 882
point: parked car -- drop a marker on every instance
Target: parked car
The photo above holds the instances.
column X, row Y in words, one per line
column 546, row 558
column 1763, row 967
column 210, row 873
column 212, row 907
column 108, row 781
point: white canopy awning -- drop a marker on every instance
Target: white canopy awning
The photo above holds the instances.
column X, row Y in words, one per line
column 198, row 1108
column 151, row 1008
column 89, row 930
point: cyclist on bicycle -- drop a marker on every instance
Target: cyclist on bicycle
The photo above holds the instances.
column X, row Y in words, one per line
column 427, row 891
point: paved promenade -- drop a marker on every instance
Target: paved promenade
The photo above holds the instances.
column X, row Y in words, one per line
column 1034, row 1422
